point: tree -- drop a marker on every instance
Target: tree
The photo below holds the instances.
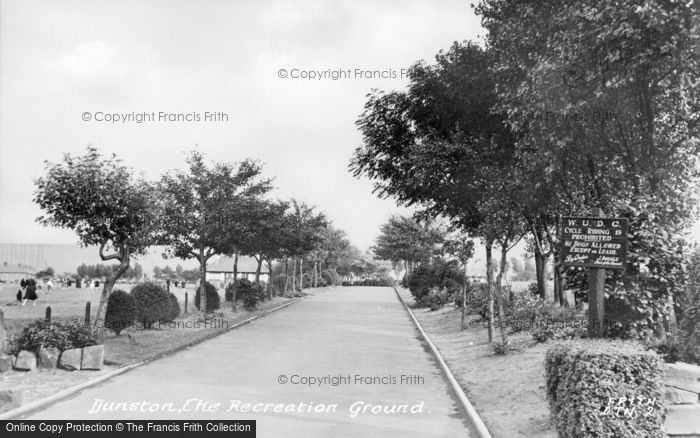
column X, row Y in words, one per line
column 48, row 272
column 264, row 238
column 632, row 66
column 98, row 198
column 404, row 239
column 304, row 227
column 461, row 248
column 203, row 207
column 440, row 146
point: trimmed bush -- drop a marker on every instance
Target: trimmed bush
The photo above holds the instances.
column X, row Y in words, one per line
column 590, row 383
column 250, row 293
column 121, row 311
column 174, row 308
column 330, row 277
column 64, row 336
column 213, row 299
column 152, row 304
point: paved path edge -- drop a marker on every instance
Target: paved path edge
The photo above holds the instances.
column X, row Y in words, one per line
column 474, row 417
column 36, row 405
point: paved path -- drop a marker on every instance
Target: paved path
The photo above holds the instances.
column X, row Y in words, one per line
column 355, row 333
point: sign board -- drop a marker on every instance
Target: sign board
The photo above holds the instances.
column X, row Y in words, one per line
column 594, row 242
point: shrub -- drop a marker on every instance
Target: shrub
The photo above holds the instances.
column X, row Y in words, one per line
column 686, row 347
column 404, row 281
column 213, row 300
column 532, row 289
column 501, row 347
column 250, row 293
column 121, row 311
column 152, row 304
column 435, row 299
column 174, row 308
column 278, row 282
column 583, row 378
column 263, row 291
column 477, row 297
column 228, row 293
column 439, row 273
column 64, row 336
column 330, row 277
column 307, row 281
column 556, row 331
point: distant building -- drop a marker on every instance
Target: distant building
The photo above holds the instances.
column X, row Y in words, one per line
column 220, row 270
column 11, row 273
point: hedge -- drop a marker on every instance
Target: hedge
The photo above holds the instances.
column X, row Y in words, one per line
column 584, row 376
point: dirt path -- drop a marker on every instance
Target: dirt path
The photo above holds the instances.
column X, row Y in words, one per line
column 360, row 338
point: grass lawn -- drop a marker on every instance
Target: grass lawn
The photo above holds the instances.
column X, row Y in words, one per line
column 507, row 391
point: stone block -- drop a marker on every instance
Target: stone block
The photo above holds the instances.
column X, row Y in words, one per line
column 683, row 376
column 10, row 399
column 683, row 420
column 676, row 396
column 48, row 357
column 26, row 361
column 70, row 359
column 6, row 362
column 93, row 357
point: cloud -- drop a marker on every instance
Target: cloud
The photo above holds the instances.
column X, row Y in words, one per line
column 90, row 61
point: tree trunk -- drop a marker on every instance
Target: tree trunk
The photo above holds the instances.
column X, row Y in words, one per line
column 499, row 290
column 286, row 275
column 670, row 322
column 489, row 284
column 559, row 289
column 104, row 298
column 202, row 282
column 464, row 299
column 258, row 269
column 539, row 273
column 301, row 274
column 269, row 280
column 294, row 275
column 234, row 296
column 548, row 285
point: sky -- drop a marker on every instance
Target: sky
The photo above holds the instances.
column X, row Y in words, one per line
column 64, row 62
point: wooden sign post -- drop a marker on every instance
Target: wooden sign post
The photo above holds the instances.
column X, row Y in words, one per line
column 597, row 243
column 596, row 296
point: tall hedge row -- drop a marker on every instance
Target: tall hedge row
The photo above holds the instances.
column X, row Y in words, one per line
column 605, row 389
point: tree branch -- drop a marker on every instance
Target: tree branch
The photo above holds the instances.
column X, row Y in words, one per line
column 108, row 257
